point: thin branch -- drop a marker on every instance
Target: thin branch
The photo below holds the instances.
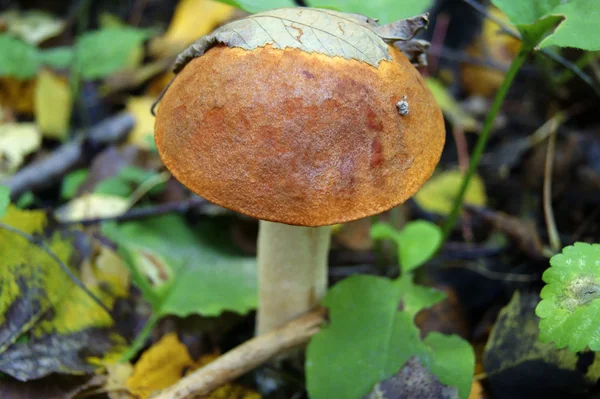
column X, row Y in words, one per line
column 553, row 56
column 553, row 236
column 145, row 212
column 49, row 170
column 55, row 258
column 246, row 357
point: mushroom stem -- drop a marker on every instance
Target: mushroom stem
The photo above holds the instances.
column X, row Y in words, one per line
column 292, row 271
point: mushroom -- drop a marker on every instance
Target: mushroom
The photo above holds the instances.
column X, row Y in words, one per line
column 301, row 118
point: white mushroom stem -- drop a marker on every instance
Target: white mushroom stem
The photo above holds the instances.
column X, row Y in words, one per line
column 292, row 272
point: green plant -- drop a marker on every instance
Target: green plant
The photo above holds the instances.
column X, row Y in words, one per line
column 541, row 24
column 569, row 308
column 369, row 339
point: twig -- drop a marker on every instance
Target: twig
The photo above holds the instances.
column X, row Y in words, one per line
column 246, row 357
column 55, row 258
column 47, row 171
column 479, row 268
column 553, row 236
column 145, row 212
column 553, row 56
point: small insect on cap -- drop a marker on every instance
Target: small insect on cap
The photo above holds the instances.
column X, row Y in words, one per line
column 302, row 116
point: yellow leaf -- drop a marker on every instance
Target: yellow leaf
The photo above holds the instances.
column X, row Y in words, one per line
column 142, row 134
column 491, row 45
column 455, row 114
column 17, row 94
column 437, row 195
column 53, row 104
column 192, row 19
column 90, row 206
column 16, row 141
column 159, row 367
column 118, row 374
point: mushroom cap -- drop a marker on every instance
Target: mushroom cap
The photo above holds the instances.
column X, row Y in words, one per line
column 299, row 138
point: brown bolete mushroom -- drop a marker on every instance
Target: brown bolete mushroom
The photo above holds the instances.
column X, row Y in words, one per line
column 301, row 118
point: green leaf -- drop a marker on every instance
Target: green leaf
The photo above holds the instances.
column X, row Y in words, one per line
column 570, row 306
column 537, row 21
column 102, row 52
column 580, row 26
column 453, row 361
column 368, row 340
column 17, row 59
column 253, row 6
column 385, row 10
column 58, row 57
column 72, row 182
column 4, row 199
column 187, row 271
column 416, row 297
column 417, row 242
column 114, row 186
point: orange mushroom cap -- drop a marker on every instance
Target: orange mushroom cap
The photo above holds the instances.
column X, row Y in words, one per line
column 299, row 138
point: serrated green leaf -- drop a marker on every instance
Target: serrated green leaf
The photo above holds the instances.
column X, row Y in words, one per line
column 525, row 12
column 570, row 306
column 417, row 242
column 188, row 271
column 253, row 6
column 368, row 340
column 57, row 58
column 72, row 182
column 17, row 59
column 100, row 53
column 385, row 10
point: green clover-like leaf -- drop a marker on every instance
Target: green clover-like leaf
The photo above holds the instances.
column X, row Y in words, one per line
column 570, row 306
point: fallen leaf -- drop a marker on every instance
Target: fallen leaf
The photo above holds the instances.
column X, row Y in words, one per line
column 17, row 140
column 438, row 193
column 31, row 26
column 159, row 367
column 186, row 27
column 143, row 131
column 492, row 45
column 515, row 360
column 47, row 323
column 53, row 104
column 90, row 206
column 17, row 95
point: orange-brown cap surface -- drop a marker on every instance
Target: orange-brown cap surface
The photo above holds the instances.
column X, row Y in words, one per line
column 299, row 138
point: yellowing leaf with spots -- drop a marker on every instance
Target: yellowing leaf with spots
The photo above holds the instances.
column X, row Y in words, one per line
column 192, row 19
column 47, row 323
column 438, row 194
column 53, row 103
